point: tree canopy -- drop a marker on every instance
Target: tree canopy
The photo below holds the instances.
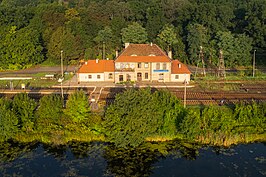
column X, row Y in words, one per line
column 34, row 31
column 137, row 114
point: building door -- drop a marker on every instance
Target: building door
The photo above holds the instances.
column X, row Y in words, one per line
column 161, row 77
column 139, row 76
column 121, row 78
column 128, row 77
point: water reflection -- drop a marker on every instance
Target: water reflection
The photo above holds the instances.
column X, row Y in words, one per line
column 150, row 159
column 140, row 161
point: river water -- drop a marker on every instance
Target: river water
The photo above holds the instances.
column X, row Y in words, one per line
column 99, row 159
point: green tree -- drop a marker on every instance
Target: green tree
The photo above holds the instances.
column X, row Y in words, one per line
column 155, row 19
column 24, row 108
column 21, row 48
column 197, row 36
column 77, row 106
column 63, row 39
column 132, row 118
column 49, row 111
column 105, row 41
column 8, row 120
column 134, row 33
column 255, row 19
column 138, row 114
column 168, row 37
column 236, row 48
column 172, row 112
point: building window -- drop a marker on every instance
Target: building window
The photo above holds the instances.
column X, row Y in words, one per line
column 146, row 75
column 139, row 65
column 161, row 76
column 121, row 78
column 146, row 65
column 98, row 76
column 89, row 76
column 176, row 76
column 110, row 76
column 164, row 66
column 157, row 66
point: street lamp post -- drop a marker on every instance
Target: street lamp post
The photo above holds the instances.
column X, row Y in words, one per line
column 254, row 54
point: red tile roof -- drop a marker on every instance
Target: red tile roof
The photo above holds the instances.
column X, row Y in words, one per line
column 142, row 59
column 143, row 53
column 102, row 66
column 179, row 69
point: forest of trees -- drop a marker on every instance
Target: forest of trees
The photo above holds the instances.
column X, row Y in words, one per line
column 34, row 31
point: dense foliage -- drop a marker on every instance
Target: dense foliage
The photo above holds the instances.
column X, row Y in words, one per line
column 136, row 116
column 34, row 31
column 8, row 120
column 77, row 106
column 24, row 108
column 218, row 124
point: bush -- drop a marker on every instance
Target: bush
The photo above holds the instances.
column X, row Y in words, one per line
column 138, row 114
column 8, row 120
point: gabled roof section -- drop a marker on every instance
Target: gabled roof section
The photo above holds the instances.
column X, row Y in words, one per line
column 179, row 68
column 97, row 66
column 143, row 53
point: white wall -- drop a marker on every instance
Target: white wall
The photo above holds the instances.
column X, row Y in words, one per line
column 181, row 77
column 84, row 77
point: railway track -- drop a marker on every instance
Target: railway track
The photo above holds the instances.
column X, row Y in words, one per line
column 107, row 95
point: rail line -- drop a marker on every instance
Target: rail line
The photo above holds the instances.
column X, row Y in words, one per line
column 107, row 95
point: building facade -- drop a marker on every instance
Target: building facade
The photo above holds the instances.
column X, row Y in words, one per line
column 137, row 62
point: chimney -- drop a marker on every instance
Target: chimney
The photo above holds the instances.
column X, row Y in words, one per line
column 86, row 62
column 179, row 65
column 107, row 58
column 151, row 43
column 97, row 60
column 170, row 54
column 116, row 53
column 126, row 44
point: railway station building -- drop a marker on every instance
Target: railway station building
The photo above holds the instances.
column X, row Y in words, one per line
column 137, row 62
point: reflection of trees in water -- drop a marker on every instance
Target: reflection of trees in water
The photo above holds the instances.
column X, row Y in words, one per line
column 139, row 161
column 183, row 150
column 10, row 151
column 130, row 161
column 85, row 150
column 87, row 156
column 58, row 152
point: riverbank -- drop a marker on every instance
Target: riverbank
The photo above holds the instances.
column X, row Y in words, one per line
column 63, row 137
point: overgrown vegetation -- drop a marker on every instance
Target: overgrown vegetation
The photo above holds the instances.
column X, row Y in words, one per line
column 136, row 116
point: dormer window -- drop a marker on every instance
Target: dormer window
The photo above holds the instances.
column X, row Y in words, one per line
column 133, row 55
column 152, row 55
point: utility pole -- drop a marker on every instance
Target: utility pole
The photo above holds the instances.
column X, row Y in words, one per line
column 62, row 73
column 254, row 56
column 202, row 60
column 103, row 51
column 62, row 76
column 185, row 91
column 221, row 69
